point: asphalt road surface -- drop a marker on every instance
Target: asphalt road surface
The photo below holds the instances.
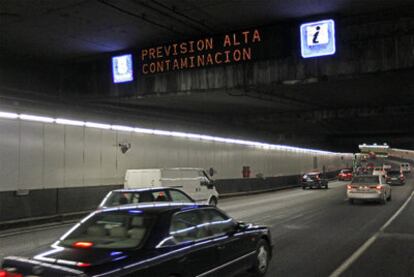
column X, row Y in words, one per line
column 315, row 232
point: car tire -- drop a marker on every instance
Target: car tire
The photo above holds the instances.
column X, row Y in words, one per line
column 389, row 197
column 326, row 187
column 351, row 201
column 262, row 259
column 303, row 187
column 213, row 201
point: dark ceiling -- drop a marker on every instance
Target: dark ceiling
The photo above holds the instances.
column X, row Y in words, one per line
column 68, row 29
column 65, row 31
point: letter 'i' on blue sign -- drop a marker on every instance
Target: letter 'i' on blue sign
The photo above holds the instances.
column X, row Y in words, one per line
column 317, row 38
column 122, row 70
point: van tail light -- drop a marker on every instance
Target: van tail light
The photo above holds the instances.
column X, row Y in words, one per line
column 378, row 187
column 7, row 273
column 349, row 187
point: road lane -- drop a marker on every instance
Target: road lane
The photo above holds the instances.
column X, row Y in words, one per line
column 314, row 231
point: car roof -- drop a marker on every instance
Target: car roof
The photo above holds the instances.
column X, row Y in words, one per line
column 142, row 189
column 155, row 207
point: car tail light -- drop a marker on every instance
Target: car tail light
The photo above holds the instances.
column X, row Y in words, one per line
column 378, row 187
column 83, row 244
column 7, row 273
column 349, row 187
column 80, row 264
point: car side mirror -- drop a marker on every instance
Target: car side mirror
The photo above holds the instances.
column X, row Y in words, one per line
column 241, row 226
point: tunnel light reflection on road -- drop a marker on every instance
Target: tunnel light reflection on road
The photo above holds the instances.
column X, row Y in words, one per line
column 156, row 132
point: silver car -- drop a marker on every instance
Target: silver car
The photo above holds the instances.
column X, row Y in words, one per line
column 369, row 188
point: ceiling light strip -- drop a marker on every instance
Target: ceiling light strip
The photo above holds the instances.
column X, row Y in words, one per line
column 123, row 128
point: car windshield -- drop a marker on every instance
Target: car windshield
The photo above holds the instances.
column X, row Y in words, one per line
column 365, row 180
column 393, row 173
column 111, row 230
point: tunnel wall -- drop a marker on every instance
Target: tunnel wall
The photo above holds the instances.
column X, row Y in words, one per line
column 67, row 169
column 41, row 155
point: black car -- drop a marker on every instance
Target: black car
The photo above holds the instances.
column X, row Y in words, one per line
column 394, row 177
column 313, row 180
column 157, row 239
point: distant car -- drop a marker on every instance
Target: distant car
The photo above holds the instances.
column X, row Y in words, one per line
column 369, row 188
column 378, row 171
column 159, row 239
column 313, row 180
column 386, row 167
column 405, row 167
column 135, row 196
column 395, row 177
column 345, row 175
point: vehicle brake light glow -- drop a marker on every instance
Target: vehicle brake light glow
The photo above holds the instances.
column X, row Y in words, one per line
column 80, row 264
column 349, row 187
column 5, row 273
column 83, row 244
column 379, row 187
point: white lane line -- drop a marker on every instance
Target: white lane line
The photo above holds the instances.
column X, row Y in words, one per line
column 348, row 262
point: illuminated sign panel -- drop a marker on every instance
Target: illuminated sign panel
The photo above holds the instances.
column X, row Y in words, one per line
column 230, row 48
column 122, row 70
column 317, row 38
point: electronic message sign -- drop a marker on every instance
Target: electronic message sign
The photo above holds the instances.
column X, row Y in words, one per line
column 317, row 38
column 218, row 50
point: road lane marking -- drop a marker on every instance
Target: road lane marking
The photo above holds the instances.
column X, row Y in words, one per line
column 348, row 262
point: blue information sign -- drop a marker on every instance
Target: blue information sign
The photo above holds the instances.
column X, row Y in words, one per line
column 317, row 38
column 122, row 70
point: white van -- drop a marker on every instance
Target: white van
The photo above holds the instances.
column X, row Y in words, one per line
column 405, row 167
column 194, row 181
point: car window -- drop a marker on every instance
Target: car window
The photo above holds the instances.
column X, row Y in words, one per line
column 217, row 223
column 365, row 180
column 394, row 172
column 111, row 230
column 160, row 196
column 178, row 196
column 187, row 226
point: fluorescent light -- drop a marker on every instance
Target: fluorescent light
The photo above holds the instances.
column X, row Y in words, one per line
column 36, row 118
column 260, row 145
column 98, row 125
column 69, row 122
column 122, row 128
column 144, row 131
column 8, row 115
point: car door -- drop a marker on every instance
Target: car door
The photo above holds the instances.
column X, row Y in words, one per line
column 235, row 246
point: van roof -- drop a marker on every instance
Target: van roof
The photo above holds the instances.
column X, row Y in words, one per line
column 168, row 168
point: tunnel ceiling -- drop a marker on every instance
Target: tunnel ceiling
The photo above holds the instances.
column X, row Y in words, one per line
column 68, row 29
column 348, row 110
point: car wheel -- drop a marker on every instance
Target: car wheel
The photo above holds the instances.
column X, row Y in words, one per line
column 389, row 197
column 351, row 201
column 261, row 262
column 303, row 187
column 326, row 187
column 213, row 202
